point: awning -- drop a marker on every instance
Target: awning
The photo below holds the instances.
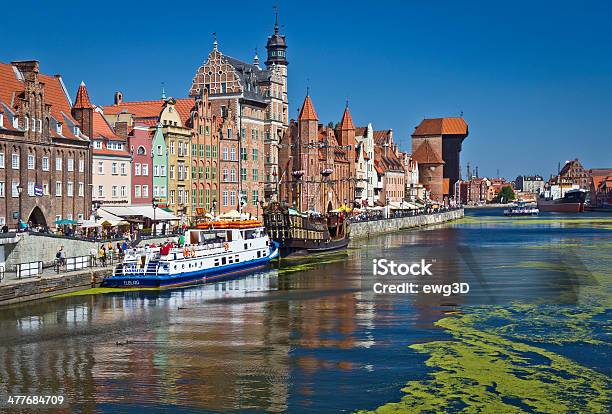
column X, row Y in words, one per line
column 159, row 214
column 86, row 224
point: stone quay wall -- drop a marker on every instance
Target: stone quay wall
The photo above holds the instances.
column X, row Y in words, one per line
column 371, row 228
column 33, row 247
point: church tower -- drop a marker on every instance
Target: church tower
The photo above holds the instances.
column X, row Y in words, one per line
column 277, row 60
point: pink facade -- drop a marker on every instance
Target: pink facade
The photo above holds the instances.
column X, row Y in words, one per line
column 142, row 171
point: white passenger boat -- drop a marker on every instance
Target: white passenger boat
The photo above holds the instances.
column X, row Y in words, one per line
column 213, row 251
column 522, row 209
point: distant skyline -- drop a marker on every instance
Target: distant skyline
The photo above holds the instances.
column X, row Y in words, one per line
column 533, row 79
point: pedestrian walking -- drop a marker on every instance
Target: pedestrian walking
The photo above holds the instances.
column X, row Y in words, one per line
column 94, row 256
column 102, row 255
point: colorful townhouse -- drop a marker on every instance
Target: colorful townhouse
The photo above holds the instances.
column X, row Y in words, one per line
column 139, row 142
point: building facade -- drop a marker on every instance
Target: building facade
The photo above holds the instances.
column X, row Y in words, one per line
column 530, row 183
column 45, row 156
column 112, row 175
column 315, row 162
column 364, row 136
column 139, row 142
column 159, row 170
column 439, row 159
column 256, row 100
column 389, row 168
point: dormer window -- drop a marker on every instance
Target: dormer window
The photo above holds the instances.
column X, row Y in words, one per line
column 15, row 122
column 59, row 128
column 77, row 130
column 98, row 144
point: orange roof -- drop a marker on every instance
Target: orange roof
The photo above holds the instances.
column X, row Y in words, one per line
column 360, row 131
column 347, row 121
column 380, row 137
column 441, row 126
column 425, row 154
column 55, row 95
column 151, row 109
column 82, row 97
column 101, row 127
column 307, row 113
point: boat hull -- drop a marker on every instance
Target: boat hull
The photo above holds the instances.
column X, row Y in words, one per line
column 294, row 247
column 185, row 278
column 557, row 207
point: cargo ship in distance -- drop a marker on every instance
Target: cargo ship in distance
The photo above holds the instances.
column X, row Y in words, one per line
column 571, row 202
column 212, row 251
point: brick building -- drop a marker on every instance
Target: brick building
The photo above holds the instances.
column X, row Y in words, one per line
column 574, row 173
column 45, row 153
column 439, row 160
column 256, row 101
column 316, row 162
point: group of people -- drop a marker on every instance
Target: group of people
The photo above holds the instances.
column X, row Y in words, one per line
column 108, row 251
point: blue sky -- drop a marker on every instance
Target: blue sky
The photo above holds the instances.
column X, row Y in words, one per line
column 533, row 78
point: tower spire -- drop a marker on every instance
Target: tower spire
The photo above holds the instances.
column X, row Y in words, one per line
column 215, row 43
column 163, row 90
column 275, row 19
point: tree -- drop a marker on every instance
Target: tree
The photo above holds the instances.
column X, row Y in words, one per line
column 505, row 195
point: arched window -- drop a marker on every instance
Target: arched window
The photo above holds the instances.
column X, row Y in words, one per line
column 141, row 150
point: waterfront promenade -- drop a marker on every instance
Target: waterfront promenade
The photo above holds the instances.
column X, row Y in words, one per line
column 51, row 283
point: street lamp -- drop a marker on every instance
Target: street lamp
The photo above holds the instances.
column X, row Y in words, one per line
column 214, row 207
column 154, row 204
column 19, row 191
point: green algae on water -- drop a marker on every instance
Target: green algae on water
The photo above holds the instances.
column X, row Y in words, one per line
column 480, row 372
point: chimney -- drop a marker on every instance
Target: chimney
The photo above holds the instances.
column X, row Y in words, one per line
column 118, row 98
column 121, row 129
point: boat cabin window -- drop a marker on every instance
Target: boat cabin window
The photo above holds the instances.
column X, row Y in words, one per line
column 250, row 234
column 258, row 254
column 230, row 260
column 236, row 258
column 246, row 246
column 216, row 262
column 223, row 260
column 229, row 235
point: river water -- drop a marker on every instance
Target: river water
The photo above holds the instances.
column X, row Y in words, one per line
column 313, row 337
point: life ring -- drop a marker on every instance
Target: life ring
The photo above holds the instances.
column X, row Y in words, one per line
column 226, row 246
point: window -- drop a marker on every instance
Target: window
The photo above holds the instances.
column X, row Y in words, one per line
column 81, row 189
column 162, row 191
column 162, row 170
column 114, row 168
column 243, row 174
column 81, row 165
column 229, row 133
column 141, row 150
column 194, row 173
column 255, row 154
column 16, row 122
column 156, row 170
column 31, row 163
column 123, row 191
column 255, row 174
column 233, row 175
column 100, row 168
column 1, row 159
column 232, row 198
column 172, row 147
column 225, row 153
column 207, row 172
column 136, row 169
column 123, row 169
column 69, row 189
column 225, row 174
column 70, row 164
column 114, row 191
column 2, row 189
column 31, row 188
column 137, row 191
column 160, row 151
column 46, row 189
column 208, row 151
column 97, row 144
column 225, row 199
column 58, row 188
column 214, row 173
column 194, row 196
column 145, row 191
column 15, row 161
column 2, row 219
column 145, row 169
column 243, row 154
column 202, row 150
column 214, row 151
column 172, row 196
column 172, row 172
column 201, row 172
column 233, row 154
column 194, row 150
column 14, row 190
column 58, row 164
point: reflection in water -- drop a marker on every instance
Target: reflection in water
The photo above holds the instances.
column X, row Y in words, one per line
column 310, row 337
